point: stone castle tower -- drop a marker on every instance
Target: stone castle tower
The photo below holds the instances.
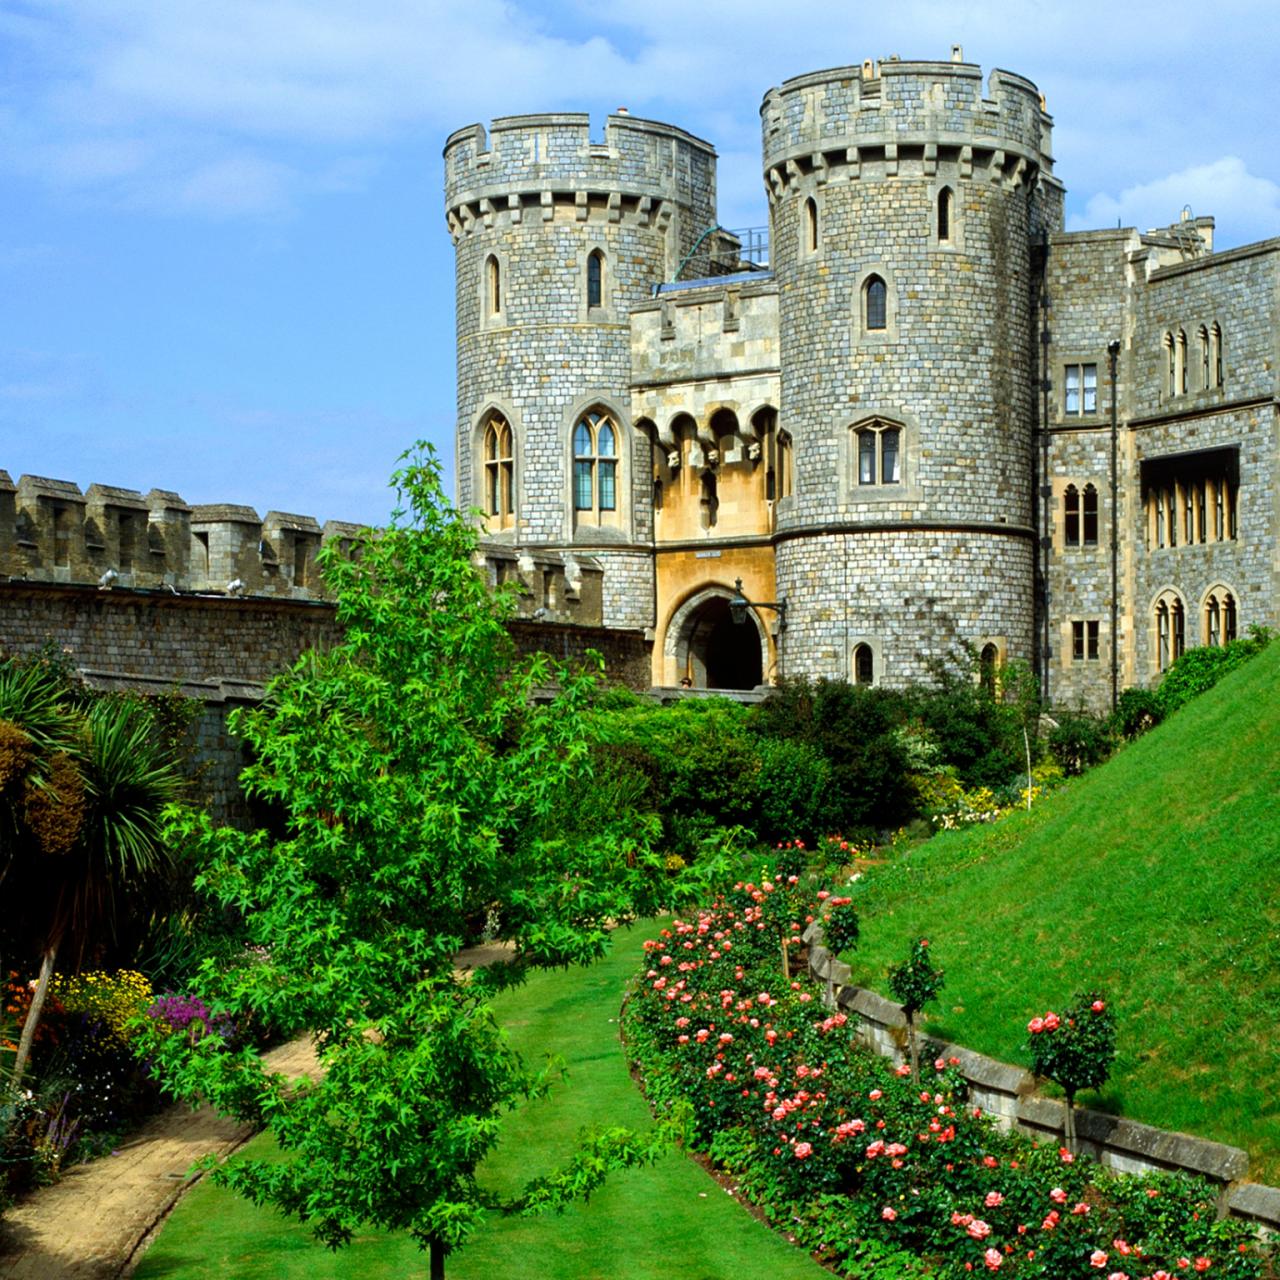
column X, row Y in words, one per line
column 558, row 238
column 905, row 203
column 912, row 419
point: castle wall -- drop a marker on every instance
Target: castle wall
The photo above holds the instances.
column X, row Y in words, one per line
column 1139, row 288
column 918, row 599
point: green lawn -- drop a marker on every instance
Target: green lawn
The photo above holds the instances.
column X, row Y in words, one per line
column 1156, row 877
column 668, row 1222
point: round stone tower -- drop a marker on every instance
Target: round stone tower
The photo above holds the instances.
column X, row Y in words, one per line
column 905, row 204
column 557, row 237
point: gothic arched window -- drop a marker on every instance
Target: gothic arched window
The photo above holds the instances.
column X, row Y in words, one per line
column 595, row 467
column 499, row 474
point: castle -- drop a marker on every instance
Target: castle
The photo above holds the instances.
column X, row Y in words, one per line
column 914, row 419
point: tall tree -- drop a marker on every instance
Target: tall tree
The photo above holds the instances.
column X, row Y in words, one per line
column 419, row 784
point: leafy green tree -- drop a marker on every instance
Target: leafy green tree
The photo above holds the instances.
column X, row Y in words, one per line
column 418, row 784
column 913, row 984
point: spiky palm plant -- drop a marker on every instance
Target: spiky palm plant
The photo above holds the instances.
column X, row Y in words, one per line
column 127, row 777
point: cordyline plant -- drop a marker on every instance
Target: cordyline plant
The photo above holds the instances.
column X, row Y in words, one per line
column 913, row 984
column 416, row 785
column 1075, row 1049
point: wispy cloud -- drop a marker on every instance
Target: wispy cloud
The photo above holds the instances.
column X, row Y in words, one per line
column 1224, row 188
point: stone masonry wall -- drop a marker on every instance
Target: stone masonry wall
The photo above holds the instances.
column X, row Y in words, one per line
column 917, row 598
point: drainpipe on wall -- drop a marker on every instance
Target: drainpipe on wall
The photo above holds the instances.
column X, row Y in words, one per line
column 1113, row 354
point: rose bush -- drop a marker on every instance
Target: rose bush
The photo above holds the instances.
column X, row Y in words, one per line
column 876, row 1174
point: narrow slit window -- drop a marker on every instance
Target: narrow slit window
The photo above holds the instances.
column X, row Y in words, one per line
column 811, row 225
column 876, row 302
column 595, row 279
column 1071, row 516
column 493, row 286
column 864, row 664
column 945, row 198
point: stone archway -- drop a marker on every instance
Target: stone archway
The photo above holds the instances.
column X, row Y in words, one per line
column 712, row 649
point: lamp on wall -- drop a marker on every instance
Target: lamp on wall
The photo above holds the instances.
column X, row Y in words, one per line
column 739, row 604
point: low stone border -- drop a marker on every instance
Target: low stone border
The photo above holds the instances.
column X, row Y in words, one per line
column 1008, row 1093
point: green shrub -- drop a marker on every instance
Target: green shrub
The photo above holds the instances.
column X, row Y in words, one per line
column 791, row 791
column 1079, row 740
column 1202, row 668
column 1137, row 710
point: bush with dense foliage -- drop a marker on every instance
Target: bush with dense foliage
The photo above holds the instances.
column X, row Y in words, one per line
column 1200, row 669
column 878, row 1176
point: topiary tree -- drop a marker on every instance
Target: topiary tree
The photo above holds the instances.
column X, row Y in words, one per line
column 913, row 984
column 840, row 931
column 417, row 784
column 1075, row 1049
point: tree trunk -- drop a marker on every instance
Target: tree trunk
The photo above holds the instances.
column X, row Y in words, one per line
column 437, row 1260
column 786, row 958
column 1069, row 1124
column 915, row 1048
column 33, row 1015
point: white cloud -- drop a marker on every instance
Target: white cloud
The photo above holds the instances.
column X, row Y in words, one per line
column 1249, row 205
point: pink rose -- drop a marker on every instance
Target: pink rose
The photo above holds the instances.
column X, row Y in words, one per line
column 888, row 1213
column 1098, row 1005
column 1035, row 1026
column 994, row 1200
column 1051, row 1021
column 1058, row 1196
column 993, row 1258
column 1098, row 1259
column 978, row 1229
column 803, row 1149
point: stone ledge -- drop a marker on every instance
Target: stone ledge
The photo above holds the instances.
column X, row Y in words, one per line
column 1253, row 1200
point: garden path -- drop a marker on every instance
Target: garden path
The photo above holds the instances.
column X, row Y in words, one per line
column 95, row 1223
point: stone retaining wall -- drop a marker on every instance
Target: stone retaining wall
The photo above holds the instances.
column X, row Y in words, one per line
column 1008, row 1094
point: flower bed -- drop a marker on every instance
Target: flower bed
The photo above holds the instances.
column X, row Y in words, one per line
column 877, row 1175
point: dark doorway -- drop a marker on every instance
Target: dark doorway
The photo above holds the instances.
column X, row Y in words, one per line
column 725, row 654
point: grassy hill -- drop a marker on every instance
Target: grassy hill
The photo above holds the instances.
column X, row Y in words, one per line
column 1155, row 877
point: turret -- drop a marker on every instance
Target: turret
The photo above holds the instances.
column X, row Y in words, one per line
column 557, row 237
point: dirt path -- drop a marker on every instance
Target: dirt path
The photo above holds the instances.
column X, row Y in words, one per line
column 92, row 1224
column 96, row 1222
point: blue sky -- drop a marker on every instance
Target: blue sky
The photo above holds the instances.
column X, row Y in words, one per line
column 223, row 262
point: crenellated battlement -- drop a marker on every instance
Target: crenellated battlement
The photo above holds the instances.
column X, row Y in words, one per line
column 892, row 118
column 530, row 166
column 120, row 538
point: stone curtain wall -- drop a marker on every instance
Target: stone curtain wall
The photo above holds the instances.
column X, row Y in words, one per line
column 1008, row 1094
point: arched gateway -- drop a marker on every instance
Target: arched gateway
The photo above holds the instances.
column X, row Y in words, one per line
column 711, row 649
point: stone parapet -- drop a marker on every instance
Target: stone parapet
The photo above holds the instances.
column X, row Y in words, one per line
column 1007, row 1093
column 118, row 539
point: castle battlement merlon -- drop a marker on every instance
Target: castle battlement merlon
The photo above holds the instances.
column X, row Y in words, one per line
column 528, row 165
column 120, row 538
column 891, row 113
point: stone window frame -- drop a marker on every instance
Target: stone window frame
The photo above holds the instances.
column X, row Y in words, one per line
column 605, row 312
column 491, row 316
column 1219, row 596
column 875, row 645
column 1081, row 489
column 1086, row 640
column 1168, row 638
column 999, row 647
column 954, row 243
column 1081, row 360
column 495, row 410
column 809, row 232
column 907, row 487
column 869, row 337
column 618, row 521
